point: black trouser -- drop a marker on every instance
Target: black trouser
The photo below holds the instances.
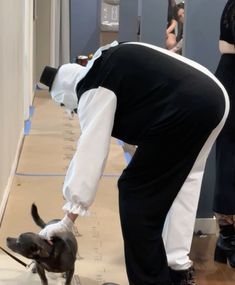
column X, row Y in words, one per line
column 224, row 199
column 150, row 183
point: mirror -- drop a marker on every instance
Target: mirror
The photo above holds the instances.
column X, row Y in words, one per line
column 109, row 21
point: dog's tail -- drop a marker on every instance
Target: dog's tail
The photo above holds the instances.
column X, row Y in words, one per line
column 38, row 221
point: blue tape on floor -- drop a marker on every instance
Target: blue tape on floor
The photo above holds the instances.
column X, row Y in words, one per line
column 127, row 155
column 120, row 142
column 27, row 123
column 27, row 127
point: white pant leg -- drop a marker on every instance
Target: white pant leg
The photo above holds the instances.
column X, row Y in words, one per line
column 179, row 225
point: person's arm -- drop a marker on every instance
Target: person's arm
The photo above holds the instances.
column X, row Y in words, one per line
column 96, row 112
column 172, row 26
column 72, row 216
column 178, row 46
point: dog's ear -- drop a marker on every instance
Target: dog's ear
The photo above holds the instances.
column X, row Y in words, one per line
column 38, row 251
column 35, row 250
column 44, row 250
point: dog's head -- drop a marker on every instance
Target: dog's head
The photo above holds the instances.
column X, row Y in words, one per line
column 29, row 245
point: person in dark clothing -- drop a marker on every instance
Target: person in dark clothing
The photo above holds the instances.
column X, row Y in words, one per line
column 171, row 108
column 224, row 199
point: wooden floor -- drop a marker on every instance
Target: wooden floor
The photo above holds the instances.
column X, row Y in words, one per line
column 45, row 156
column 209, row 272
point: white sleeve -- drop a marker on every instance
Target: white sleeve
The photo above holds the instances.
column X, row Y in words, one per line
column 96, row 110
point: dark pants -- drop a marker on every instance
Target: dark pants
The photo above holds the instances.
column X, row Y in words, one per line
column 150, row 183
column 224, row 199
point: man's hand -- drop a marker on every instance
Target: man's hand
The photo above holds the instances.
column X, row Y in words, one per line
column 65, row 225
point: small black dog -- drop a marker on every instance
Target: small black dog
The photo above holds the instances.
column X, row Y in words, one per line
column 58, row 257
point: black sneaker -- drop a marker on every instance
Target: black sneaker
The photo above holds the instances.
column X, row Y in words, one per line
column 183, row 277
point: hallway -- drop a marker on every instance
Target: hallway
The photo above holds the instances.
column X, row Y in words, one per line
column 45, row 155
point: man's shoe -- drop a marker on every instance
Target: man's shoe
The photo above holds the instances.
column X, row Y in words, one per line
column 225, row 245
column 183, row 277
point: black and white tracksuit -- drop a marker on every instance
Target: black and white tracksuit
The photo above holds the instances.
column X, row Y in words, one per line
column 171, row 108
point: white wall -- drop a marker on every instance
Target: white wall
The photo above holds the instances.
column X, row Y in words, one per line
column 28, row 56
column 15, row 60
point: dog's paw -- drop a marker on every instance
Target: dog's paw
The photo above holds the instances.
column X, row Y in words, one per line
column 32, row 267
column 64, row 275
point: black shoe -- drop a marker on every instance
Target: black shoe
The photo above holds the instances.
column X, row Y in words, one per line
column 225, row 246
column 183, row 277
column 225, row 251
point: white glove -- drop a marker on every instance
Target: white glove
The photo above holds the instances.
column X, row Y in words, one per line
column 65, row 225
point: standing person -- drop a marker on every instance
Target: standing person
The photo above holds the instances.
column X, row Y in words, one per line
column 224, row 199
column 180, row 29
column 174, row 32
column 171, row 108
column 171, row 24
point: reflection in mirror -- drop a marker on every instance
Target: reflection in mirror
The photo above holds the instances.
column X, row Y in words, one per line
column 109, row 21
column 175, row 24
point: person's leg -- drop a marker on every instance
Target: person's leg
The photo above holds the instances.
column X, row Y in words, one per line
column 142, row 217
column 178, row 236
column 147, row 189
column 224, row 198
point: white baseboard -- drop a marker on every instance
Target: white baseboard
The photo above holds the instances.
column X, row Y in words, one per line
column 205, row 226
column 6, row 192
